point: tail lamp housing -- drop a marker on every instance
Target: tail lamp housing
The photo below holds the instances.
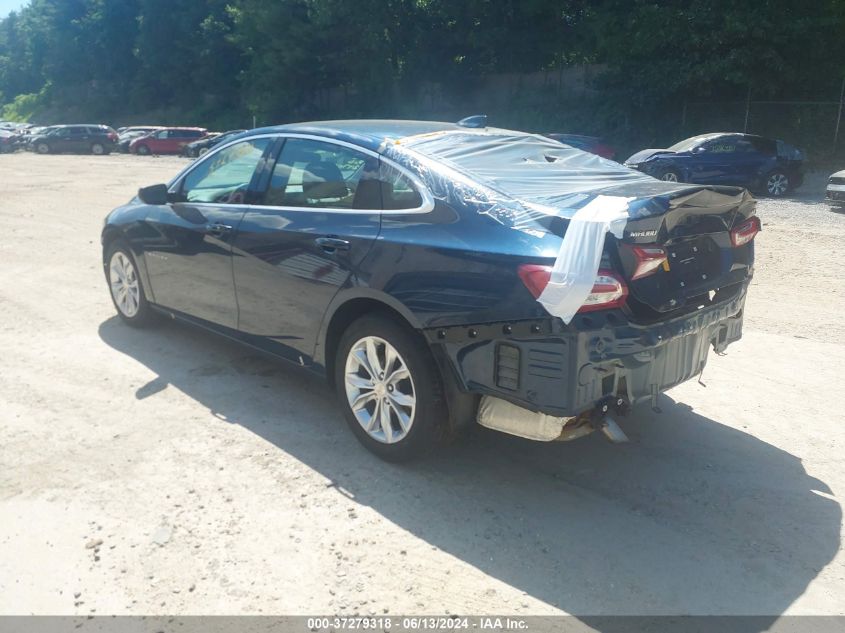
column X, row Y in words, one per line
column 609, row 290
column 745, row 232
column 648, row 259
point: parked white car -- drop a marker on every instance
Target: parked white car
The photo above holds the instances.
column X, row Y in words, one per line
column 835, row 194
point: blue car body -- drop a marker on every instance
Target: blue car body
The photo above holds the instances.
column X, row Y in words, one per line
column 742, row 160
column 289, row 281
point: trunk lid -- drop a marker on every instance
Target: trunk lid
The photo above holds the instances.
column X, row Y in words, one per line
column 693, row 225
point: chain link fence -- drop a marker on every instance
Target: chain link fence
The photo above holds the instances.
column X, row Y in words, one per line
column 815, row 126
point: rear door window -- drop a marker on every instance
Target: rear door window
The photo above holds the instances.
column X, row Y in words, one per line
column 723, row 145
column 317, row 174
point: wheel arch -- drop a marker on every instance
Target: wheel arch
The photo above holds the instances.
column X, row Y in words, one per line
column 345, row 309
column 672, row 164
column 112, row 234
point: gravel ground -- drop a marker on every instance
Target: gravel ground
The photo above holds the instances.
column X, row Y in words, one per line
column 169, row 471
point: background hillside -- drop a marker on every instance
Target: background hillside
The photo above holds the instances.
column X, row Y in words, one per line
column 639, row 72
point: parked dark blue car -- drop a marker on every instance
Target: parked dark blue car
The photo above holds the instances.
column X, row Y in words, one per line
column 410, row 263
column 744, row 160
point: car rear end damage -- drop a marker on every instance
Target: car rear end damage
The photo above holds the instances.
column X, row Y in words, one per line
column 546, row 367
column 667, row 268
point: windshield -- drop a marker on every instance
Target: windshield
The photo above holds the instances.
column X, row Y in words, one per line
column 687, row 144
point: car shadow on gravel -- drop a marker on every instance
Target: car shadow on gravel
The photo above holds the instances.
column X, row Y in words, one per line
column 691, row 517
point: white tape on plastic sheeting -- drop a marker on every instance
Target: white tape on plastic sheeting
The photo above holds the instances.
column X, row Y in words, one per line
column 579, row 258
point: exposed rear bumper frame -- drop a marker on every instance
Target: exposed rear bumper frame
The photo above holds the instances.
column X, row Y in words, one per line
column 548, row 367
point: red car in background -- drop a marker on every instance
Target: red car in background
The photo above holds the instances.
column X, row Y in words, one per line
column 169, row 140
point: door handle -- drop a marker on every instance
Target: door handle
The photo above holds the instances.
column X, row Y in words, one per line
column 332, row 244
column 217, row 229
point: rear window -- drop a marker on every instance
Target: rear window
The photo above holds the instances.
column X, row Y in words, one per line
column 789, row 152
column 527, row 167
column 764, row 145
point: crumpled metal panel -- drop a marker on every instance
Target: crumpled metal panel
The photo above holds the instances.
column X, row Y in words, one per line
column 526, row 181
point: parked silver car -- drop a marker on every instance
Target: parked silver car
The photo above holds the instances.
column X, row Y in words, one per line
column 835, row 194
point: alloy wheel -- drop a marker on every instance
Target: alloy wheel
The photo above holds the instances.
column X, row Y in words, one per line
column 43, row 148
column 777, row 184
column 669, row 176
column 97, row 149
column 123, row 282
column 380, row 389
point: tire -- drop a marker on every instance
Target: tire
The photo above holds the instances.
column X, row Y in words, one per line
column 98, row 149
column 203, row 151
column 415, row 395
column 42, row 148
column 777, row 184
column 137, row 313
column 669, row 175
column 143, row 150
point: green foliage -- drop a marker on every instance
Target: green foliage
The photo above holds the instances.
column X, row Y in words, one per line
column 23, row 106
column 221, row 62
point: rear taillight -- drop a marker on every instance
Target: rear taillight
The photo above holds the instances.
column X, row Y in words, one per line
column 647, row 260
column 112, row 136
column 535, row 278
column 609, row 291
column 745, row 232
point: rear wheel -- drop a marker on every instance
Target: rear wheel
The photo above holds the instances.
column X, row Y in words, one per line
column 98, row 149
column 390, row 389
column 125, row 287
column 777, row 184
column 42, row 148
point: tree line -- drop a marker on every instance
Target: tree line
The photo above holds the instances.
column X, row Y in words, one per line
column 223, row 62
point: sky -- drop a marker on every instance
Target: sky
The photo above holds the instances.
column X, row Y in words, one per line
column 7, row 6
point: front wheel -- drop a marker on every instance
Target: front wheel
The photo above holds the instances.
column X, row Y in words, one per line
column 777, row 184
column 143, row 150
column 670, row 175
column 42, row 148
column 390, row 389
column 125, row 287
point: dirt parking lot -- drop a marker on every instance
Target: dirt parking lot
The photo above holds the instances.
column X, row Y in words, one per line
column 169, row 471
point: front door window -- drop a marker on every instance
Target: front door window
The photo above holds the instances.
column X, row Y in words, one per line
column 224, row 177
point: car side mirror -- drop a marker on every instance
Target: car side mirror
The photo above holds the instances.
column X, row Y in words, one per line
column 154, row 194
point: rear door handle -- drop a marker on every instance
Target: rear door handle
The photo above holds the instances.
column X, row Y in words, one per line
column 332, row 244
column 217, row 229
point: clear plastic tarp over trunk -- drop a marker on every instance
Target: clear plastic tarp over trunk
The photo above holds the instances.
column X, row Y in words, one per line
column 520, row 179
column 530, row 168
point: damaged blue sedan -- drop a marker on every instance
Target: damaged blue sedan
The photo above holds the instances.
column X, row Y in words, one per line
column 441, row 275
